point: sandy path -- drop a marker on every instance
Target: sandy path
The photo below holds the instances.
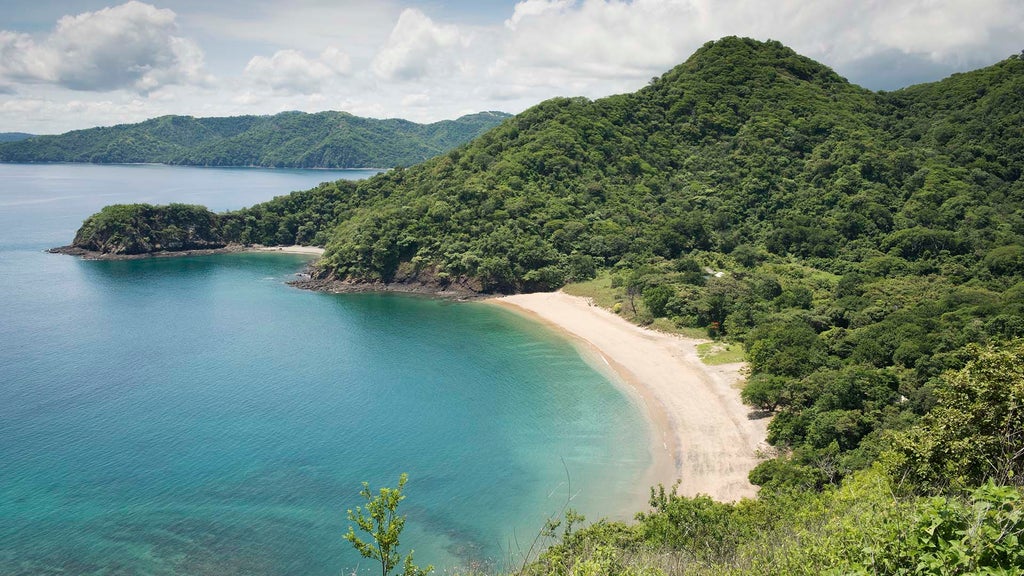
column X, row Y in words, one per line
column 704, row 435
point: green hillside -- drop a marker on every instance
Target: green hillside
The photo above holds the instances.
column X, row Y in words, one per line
column 868, row 251
column 288, row 139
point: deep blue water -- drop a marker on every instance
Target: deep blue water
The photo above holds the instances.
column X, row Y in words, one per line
column 199, row 416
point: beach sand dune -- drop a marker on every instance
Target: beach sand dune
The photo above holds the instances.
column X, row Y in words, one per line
column 703, row 435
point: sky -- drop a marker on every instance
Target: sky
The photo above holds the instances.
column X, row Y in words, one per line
column 70, row 64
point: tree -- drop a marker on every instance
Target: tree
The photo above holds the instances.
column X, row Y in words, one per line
column 656, row 299
column 785, row 348
column 381, row 521
column 634, row 287
column 767, row 392
column 975, row 432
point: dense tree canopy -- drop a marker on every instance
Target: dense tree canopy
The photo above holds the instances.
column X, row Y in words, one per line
column 127, row 229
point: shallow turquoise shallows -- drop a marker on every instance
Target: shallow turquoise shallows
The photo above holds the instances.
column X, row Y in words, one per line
column 199, row 416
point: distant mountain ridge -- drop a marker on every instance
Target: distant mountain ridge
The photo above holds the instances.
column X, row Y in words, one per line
column 284, row 140
column 14, row 136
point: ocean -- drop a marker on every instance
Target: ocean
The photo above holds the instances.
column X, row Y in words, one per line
column 197, row 415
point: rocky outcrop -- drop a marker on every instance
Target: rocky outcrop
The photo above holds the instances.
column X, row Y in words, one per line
column 407, row 280
column 132, row 229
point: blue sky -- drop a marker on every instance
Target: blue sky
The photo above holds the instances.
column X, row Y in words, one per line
column 78, row 63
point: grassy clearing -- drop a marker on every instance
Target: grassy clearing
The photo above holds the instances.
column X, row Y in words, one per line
column 602, row 293
column 715, row 353
column 599, row 290
column 666, row 325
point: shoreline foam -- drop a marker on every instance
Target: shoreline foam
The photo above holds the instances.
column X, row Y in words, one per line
column 702, row 434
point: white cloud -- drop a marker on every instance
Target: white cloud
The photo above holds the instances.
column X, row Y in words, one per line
column 305, row 25
column 938, row 28
column 24, row 106
column 290, row 71
column 592, row 42
column 336, row 60
column 599, row 38
column 532, row 8
column 130, row 46
column 38, row 112
column 418, row 99
column 418, row 46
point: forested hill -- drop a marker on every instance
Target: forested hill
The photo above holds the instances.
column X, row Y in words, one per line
column 747, row 150
column 865, row 242
column 288, row 139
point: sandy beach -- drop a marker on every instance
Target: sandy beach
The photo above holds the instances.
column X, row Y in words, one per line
column 702, row 432
column 291, row 249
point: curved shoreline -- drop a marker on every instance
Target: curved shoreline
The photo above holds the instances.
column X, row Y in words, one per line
column 228, row 249
column 702, row 434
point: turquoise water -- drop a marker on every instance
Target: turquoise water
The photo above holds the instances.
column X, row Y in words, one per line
column 199, row 416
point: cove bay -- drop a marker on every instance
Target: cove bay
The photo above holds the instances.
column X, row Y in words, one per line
column 198, row 415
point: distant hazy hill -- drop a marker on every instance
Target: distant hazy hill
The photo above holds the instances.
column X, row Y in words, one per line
column 14, row 136
column 288, row 139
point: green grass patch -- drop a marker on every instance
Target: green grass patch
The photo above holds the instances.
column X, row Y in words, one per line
column 715, row 353
column 599, row 290
column 667, row 325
